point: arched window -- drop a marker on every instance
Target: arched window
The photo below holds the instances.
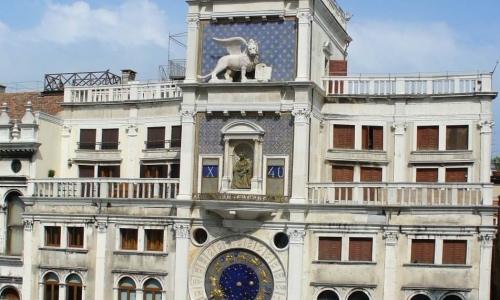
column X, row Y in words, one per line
column 152, row 290
column 126, row 289
column 15, row 207
column 74, row 287
column 9, row 294
column 420, row 297
column 328, row 295
column 358, row 296
column 452, row 297
column 51, row 287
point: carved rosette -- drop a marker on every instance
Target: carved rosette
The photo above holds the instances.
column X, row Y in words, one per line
column 193, row 22
column 486, row 239
column 181, row 231
column 188, row 116
column 296, row 236
column 304, row 17
column 391, row 238
column 101, row 226
column 301, row 115
column 28, row 225
column 486, row 125
column 399, row 127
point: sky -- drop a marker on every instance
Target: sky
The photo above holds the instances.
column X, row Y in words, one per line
column 40, row 37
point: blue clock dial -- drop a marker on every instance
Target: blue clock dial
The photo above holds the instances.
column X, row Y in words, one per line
column 238, row 275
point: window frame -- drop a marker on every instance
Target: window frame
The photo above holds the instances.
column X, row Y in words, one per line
column 124, row 238
column 128, row 289
column 75, row 287
column 456, row 144
column 373, row 134
column 463, row 255
column 54, row 287
column 110, row 133
column 153, row 142
column 344, row 136
column 426, row 144
column 336, row 251
column 364, row 251
column 81, row 240
column 157, row 292
column 51, row 235
column 87, row 141
column 161, row 244
column 413, row 254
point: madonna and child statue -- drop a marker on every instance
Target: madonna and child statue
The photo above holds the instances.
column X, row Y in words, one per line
column 242, row 173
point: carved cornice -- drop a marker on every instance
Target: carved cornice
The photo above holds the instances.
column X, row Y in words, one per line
column 296, row 236
column 101, row 226
column 181, row 231
column 28, row 225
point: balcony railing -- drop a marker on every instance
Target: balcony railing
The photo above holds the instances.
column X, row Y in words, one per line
column 408, row 85
column 404, row 194
column 162, row 144
column 120, row 93
column 98, row 146
column 137, row 188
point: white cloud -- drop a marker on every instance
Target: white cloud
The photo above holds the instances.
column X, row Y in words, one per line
column 133, row 23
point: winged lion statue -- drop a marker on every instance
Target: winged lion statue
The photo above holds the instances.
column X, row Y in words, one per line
column 236, row 60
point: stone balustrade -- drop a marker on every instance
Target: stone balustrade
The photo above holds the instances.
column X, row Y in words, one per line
column 408, row 85
column 403, row 194
column 136, row 188
column 119, row 93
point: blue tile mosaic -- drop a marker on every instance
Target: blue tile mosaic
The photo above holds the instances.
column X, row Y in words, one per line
column 277, row 45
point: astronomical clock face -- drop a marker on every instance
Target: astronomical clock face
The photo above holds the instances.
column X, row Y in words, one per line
column 238, row 274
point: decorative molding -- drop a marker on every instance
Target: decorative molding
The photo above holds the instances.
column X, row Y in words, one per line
column 301, row 115
column 304, row 17
column 486, row 125
column 486, row 239
column 193, row 22
column 296, row 236
column 131, row 129
column 390, row 238
column 399, row 127
column 66, row 131
column 28, row 225
column 187, row 116
column 181, row 230
column 101, row 226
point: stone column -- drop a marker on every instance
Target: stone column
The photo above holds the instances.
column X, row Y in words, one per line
column 399, row 163
column 28, row 261
column 486, row 240
column 62, row 291
column 100, row 261
column 256, row 176
column 304, row 43
column 226, row 177
column 187, row 154
column 192, row 48
column 181, row 261
column 132, row 144
column 300, row 154
column 391, row 240
column 295, row 263
column 3, row 222
column 485, row 172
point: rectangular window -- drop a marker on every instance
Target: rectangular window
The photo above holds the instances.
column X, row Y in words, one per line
column 427, row 175
column 427, row 138
column 330, row 248
column 175, row 136
column 457, row 137
column 343, row 136
column 372, row 137
column 422, row 251
column 210, row 175
column 275, row 179
column 156, row 138
column 129, row 238
column 154, row 239
column 53, row 236
column 109, row 139
column 75, row 237
column 109, row 171
column 343, row 174
column 360, row 249
column 371, row 175
column 87, row 139
column 154, row 171
column 454, row 252
column 175, row 170
column 456, row 175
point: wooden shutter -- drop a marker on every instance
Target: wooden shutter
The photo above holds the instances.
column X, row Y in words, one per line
column 330, row 248
column 343, row 136
column 343, row 174
column 422, row 251
column 371, row 174
column 456, row 175
column 175, row 137
column 156, row 138
column 109, row 139
column 427, row 137
column 86, row 171
column 87, row 139
column 457, row 137
column 372, row 137
column 427, row 175
column 454, row 252
column 175, row 170
column 365, row 140
column 360, row 249
column 378, row 138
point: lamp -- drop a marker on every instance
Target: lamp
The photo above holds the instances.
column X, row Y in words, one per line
column 70, row 162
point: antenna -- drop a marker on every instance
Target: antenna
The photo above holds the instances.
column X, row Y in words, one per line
column 176, row 68
column 493, row 72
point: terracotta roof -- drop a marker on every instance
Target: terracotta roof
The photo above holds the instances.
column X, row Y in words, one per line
column 17, row 103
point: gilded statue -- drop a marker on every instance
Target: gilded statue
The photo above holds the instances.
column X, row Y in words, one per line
column 242, row 173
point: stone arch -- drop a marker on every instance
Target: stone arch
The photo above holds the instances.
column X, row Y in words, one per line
column 125, row 276
column 145, row 279
column 452, row 296
column 14, row 227
column 358, row 294
column 420, row 295
column 10, row 293
column 67, row 275
column 327, row 294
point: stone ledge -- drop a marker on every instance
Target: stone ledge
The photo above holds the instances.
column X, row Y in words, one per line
column 141, row 253
column 452, row 266
column 76, row 250
column 339, row 262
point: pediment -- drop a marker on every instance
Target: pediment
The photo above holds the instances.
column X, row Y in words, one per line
column 242, row 128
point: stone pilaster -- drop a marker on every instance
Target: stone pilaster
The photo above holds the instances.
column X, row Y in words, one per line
column 391, row 240
column 100, row 263
column 295, row 263
column 486, row 240
column 304, row 43
column 181, row 261
column 301, row 151
column 132, row 145
column 192, row 48
column 187, row 155
column 27, row 290
column 486, row 128
column 399, row 129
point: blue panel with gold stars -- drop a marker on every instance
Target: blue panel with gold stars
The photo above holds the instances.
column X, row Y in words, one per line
column 277, row 45
column 239, row 275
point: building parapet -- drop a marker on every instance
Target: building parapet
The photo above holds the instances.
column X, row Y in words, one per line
column 418, row 84
column 404, row 194
column 137, row 188
column 134, row 91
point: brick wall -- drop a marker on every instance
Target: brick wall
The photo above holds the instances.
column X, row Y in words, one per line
column 17, row 103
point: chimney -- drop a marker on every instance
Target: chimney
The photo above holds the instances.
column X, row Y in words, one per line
column 2, row 89
column 127, row 76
